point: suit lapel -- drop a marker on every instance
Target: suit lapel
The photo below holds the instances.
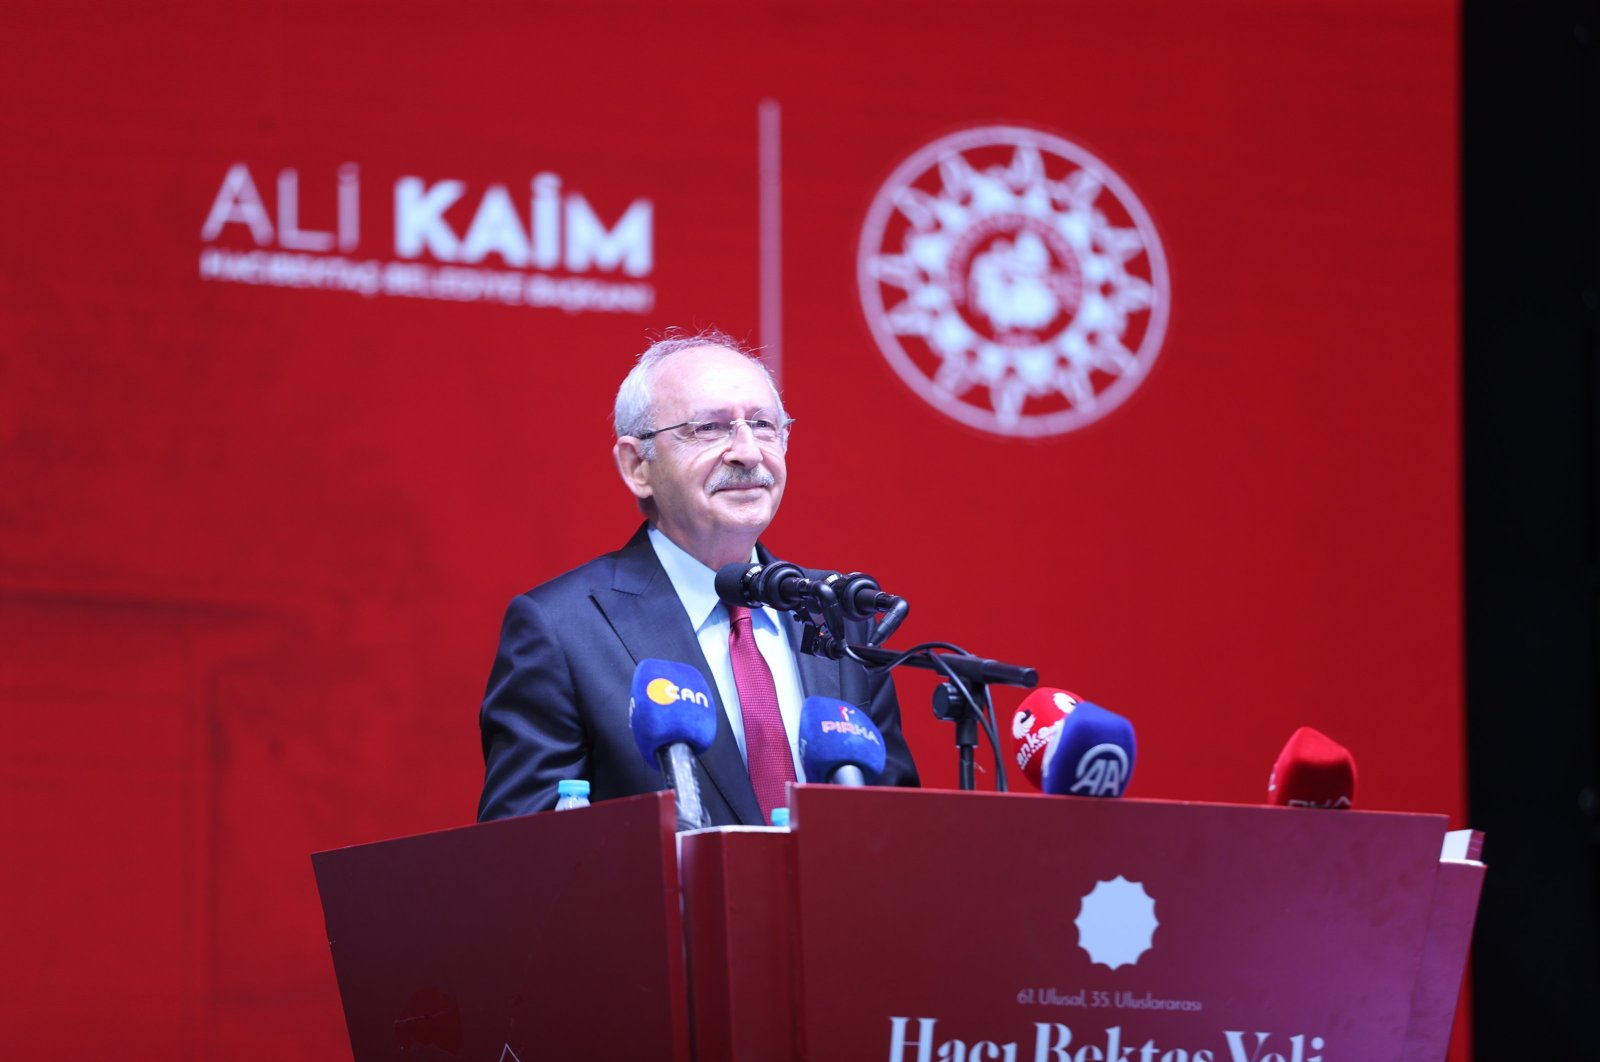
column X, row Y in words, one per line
column 645, row 612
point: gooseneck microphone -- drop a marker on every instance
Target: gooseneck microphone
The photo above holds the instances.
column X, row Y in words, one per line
column 674, row 719
column 1313, row 771
column 788, row 588
column 780, row 584
column 835, row 611
column 860, row 594
column 1094, row 754
column 1036, row 729
column 839, row 743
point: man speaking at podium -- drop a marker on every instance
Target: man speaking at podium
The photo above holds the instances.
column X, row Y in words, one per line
column 701, row 439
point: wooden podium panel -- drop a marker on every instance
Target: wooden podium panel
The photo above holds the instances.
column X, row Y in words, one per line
column 938, row 925
column 550, row 936
column 1444, row 959
column 738, row 884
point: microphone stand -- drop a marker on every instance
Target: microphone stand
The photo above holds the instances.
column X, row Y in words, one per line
column 967, row 680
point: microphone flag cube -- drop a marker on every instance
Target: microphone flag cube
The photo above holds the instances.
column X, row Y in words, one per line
column 671, row 703
column 1036, row 728
column 835, row 734
column 1313, row 771
column 1094, row 755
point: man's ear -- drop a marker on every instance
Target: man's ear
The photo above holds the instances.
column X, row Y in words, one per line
column 632, row 466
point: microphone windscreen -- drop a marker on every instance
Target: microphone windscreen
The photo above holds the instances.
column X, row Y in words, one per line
column 1313, row 771
column 1094, row 754
column 732, row 583
column 835, row 734
column 671, row 702
column 1037, row 727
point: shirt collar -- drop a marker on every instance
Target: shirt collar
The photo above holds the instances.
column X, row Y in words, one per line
column 693, row 581
column 696, row 584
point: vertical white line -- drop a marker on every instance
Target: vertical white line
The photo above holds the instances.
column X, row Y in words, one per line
column 771, row 237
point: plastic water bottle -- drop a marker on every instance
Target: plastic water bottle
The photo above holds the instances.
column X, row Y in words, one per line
column 572, row 793
column 780, row 818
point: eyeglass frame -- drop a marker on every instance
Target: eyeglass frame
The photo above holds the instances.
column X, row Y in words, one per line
column 783, row 427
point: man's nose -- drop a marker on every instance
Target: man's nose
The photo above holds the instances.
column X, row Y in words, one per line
column 742, row 448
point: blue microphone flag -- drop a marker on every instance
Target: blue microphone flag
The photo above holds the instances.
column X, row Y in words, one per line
column 835, row 734
column 1094, row 754
column 671, row 703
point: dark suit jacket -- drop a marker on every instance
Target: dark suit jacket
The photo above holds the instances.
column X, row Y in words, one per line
column 557, row 702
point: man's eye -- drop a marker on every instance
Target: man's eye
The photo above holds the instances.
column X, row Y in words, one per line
column 764, row 428
column 711, row 430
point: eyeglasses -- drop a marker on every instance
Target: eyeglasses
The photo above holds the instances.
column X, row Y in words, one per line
column 712, row 432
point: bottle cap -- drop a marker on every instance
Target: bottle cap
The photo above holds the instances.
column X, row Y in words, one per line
column 572, row 787
column 780, row 817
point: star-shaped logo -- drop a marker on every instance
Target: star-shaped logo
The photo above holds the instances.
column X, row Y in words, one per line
column 1116, row 922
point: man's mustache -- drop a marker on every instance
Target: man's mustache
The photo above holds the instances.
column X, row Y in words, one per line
column 736, row 478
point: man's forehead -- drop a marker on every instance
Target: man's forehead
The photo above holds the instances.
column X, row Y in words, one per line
column 714, row 380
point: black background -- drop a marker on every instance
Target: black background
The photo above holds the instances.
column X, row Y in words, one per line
column 1531, row 289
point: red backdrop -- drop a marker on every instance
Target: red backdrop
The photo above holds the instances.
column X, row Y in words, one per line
column 261, row 514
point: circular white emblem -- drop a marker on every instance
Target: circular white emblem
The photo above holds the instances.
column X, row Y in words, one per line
column 1116, row 922
column 1013, row 281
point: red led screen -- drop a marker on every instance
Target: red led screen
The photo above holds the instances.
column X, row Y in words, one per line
column 1121, row 337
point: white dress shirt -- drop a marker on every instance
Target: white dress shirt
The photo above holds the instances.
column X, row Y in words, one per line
column 696, row 588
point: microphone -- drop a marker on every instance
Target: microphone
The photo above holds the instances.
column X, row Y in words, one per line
column 673, row 720
column 860, row 595
column 1313, row 771
column 787, row 587
column 1094, row 754
column 839, row 743
column 780, row 584
column 1037, row 729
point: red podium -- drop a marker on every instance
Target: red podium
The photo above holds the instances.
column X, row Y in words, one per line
column 937, row 925
column 552, row 936
column 913, row 925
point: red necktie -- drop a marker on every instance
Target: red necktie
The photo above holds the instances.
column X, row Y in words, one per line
column 766, row 743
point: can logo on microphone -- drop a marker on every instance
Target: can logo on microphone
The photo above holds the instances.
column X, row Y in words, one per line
column 665, row 691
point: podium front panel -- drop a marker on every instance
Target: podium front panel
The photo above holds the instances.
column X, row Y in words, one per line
column 556, row 935
column 944, row 925
column 1444, row 960
column 739, row 900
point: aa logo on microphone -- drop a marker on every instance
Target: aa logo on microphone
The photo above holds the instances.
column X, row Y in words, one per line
column 1013, row 281
column 1101, row 771
column 665, row 691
